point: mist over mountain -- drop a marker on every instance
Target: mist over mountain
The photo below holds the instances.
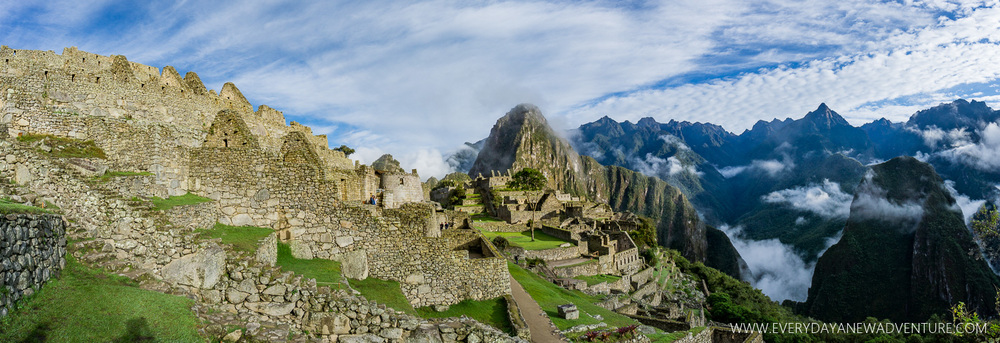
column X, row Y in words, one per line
column 905, row 253
column 793, row 180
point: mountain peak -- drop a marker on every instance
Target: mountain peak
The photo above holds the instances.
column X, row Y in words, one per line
column 956, row 114
column 823, row 116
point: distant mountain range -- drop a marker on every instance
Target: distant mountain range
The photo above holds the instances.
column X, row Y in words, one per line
column 794, row 180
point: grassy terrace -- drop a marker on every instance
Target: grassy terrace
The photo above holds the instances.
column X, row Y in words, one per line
column 8, row 207
column 178, row 200
column 548, row 296
column 492, row 312
column 65, row 147
column 483, row 217
column 523, row 239
column 90, row 305
column 113, row 174
column 242, row 238
column 596, row 279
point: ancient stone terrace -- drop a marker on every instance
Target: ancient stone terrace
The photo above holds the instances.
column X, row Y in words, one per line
column 258, row 170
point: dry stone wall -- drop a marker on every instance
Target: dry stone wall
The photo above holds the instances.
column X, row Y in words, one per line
column 32, row 250
column 431, row 270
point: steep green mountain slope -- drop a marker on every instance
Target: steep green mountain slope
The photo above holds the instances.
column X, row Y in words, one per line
column 905, row 253
column 523, row 139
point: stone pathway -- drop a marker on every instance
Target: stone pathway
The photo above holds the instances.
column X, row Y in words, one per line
column 542, row 329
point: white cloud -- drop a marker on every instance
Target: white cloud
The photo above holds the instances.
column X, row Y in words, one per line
column 963, row 202
column 662, row 167
column 801, row 221
column 920, row 60
column 826, row 200
column 776, row 268
column 933, row 136
column 984, row 155
column 871, row 203
column 430, row 75
column 730, row 171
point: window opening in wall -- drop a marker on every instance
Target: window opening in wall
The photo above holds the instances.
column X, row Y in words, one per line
column 225, row 142
column 98, row 63
column 401, row 181
column 98, row 80
column 46, row 73
column 72, row 78
column 85, row 60
column 142, row 85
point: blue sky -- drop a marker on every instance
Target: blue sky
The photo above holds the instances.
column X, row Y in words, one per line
column 417, row 79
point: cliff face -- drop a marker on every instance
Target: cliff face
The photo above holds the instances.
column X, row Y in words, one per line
column 905, row 253
column 523, row 139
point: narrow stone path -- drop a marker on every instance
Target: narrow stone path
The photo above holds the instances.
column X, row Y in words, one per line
column 542, row 329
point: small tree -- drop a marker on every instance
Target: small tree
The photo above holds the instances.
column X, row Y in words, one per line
column 345, row 149
column 527, row 179
column 985, row 222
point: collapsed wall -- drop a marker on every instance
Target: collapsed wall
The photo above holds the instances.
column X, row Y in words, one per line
column 32, row 250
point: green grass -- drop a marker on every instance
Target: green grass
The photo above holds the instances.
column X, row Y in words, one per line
column 242, row 238
column 113, row 174
column 326, row 272
column 65, row 146
column 548, row 296
column 483, row 217
column 596, row 279
column 178, row 200
column 383, row 292
column 492, row 312
column 7, row 207
column 89, row 305
column 523, row 239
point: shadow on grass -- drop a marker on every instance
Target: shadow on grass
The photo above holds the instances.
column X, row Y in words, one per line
column 136, row 330
column 38, row 334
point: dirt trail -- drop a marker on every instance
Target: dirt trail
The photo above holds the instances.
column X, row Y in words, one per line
column 542, row 329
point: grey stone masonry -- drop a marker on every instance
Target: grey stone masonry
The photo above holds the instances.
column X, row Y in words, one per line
column 32, row 250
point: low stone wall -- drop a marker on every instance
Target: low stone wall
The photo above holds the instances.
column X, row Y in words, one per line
column 137, row 186
column 727, row 335
column 197, row 216
column 32, row 250
column 403, row 245
column 640, row 278
column 663, row 324
column 705, row 336
column 501, row 227
column 592, row 268
column 556, row 254
column 565, row 235
column 516, row 318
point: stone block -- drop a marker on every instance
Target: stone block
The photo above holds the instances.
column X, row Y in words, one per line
column 202, row 269
column 354, row 264
column 275, row 290
column 300, row 250
column 267, row 252
column 242, row 219
column 271, row 309
column 344, row 241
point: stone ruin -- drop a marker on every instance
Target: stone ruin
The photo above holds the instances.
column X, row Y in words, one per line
column 182, row 138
